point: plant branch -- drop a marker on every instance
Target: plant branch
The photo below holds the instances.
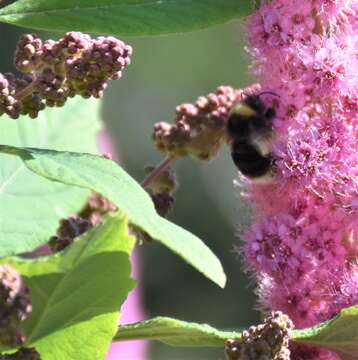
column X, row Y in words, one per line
column 158, row 170
column 26, row 91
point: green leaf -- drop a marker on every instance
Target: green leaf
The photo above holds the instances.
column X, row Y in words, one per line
column 175, row 333
column 76, row 294
column 339, row 334
column 31, row 206
column 107, row 178
column 123, row 17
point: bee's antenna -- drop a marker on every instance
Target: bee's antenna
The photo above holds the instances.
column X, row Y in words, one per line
column 268, row 92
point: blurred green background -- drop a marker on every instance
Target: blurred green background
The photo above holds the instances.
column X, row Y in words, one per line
column 167, row 71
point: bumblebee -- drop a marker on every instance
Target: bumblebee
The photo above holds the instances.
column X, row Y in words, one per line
column 249, row 128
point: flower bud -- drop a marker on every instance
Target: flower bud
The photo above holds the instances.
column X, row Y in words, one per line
column 96, row 208
column 163, row 202
column 73, row 65
column 28, row 53
column 166, row 181
column 15, row 306
column 22, row 354
column 69, row 229
column 267, row 341
column 199, row 129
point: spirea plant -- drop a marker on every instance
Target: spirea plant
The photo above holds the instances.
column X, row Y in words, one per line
column 74, row 240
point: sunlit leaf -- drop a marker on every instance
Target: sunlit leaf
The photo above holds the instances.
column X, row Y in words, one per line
column 76, row 294
column 123, row 17
column 107, row 178
column 30, row 205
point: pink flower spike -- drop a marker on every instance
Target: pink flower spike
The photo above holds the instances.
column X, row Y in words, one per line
column 302, row 244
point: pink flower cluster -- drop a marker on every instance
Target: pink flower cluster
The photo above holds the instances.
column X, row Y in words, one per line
column 302, row 246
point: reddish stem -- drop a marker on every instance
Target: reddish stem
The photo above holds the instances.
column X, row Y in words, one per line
column 159, row 169
column 26, row 91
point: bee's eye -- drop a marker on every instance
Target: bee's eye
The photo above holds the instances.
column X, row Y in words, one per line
column 257, row 103
column 270, row 113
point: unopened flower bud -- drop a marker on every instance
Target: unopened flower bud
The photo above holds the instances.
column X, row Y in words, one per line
column 74, row 65
column 15, row 306
column 232, row 349
column 172, row 139
column 96, row 208
column 165, row 182
column 28, row 53
column 50, row 86
column 8, row 102
column 267, row 341
column 199, row 129
column 22, row 354
column 163, row 203
column 69, row 229
column 103, row 60
column 161, row 183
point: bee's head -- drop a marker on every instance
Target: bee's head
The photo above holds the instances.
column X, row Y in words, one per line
column 255, row 102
